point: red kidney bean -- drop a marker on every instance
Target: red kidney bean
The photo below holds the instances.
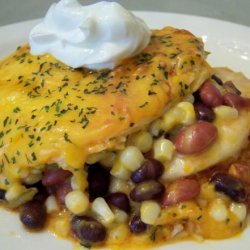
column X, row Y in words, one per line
column 55, row 177
column 62, row 190
column 136, row 225
column 119, row 200
column 179, row 191
column 2, row 194
column 87, row 229
column 246, row 102
column 241, row 171
column 98, row 179
column 147, row 190
column 150, row 169
column 210, row 95
column 230, row 186
column 203, row 112
column 230, row 87
column 33, row 214
column 195, row 138
column 233, row 100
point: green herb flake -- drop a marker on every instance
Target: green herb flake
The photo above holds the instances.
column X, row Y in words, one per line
column 6, row 182
column 16, row 110
column 84, row 121
column 1, row 134
column 143, row 105
column 198, row 218
column 46, row 108
column 66, row 138
column 6, row 158
column 34, row 158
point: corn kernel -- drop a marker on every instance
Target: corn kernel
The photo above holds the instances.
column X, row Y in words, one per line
column 93, row 158
column 177, row 229
column 32, row 178
column 79, row 180
column 108, row 159
column 189, row 98
column 208, row 191
column 142, row 140
column 118, row 234
column 62, row 227
column 218, row 210
column 155, row 127
column 15, row 191
column 101, row 208
column 119, row 171
column 120, row 215
column 163, row 150
column 73, row 183
column 118, row 185
column 226, row 112
column 188, row 112
column 77, row 202
column 239, row 209
column 51, row 204
column 23, row 173
column 18, row 194
column 131, row 158
column 150, row 210
column 182, row 113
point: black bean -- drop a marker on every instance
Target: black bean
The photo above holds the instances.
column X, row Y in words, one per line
column 42, row 194
column 87, row 229
column 2, row 194
column 151, row 169
column 33, row 214
column 98, row 179
column 229, row 185
column 196, row 96
column 217, row 79
column 119, row 200
column 136, row 225
column 147, row 190
column 203, row 112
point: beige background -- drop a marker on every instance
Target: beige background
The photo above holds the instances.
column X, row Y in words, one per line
column 237, row 11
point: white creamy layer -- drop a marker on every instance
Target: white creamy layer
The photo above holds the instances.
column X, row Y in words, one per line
column 96, row 36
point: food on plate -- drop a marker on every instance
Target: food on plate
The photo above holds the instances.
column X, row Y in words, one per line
column 133, row 145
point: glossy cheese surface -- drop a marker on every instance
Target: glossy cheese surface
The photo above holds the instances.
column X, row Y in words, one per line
column 53, row 113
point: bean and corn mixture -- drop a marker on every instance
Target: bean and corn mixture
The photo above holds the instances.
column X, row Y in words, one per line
column 127, row 196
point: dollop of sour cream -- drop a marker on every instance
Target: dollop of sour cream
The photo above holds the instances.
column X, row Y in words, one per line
column 95, row 36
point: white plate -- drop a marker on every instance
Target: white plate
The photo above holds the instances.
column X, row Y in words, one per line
column 229, row 45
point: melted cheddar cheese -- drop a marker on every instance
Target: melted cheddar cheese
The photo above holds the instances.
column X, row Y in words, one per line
column 51, row 113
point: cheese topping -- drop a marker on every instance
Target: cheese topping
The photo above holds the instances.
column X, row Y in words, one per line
column 52, row 113
column 95, row 36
